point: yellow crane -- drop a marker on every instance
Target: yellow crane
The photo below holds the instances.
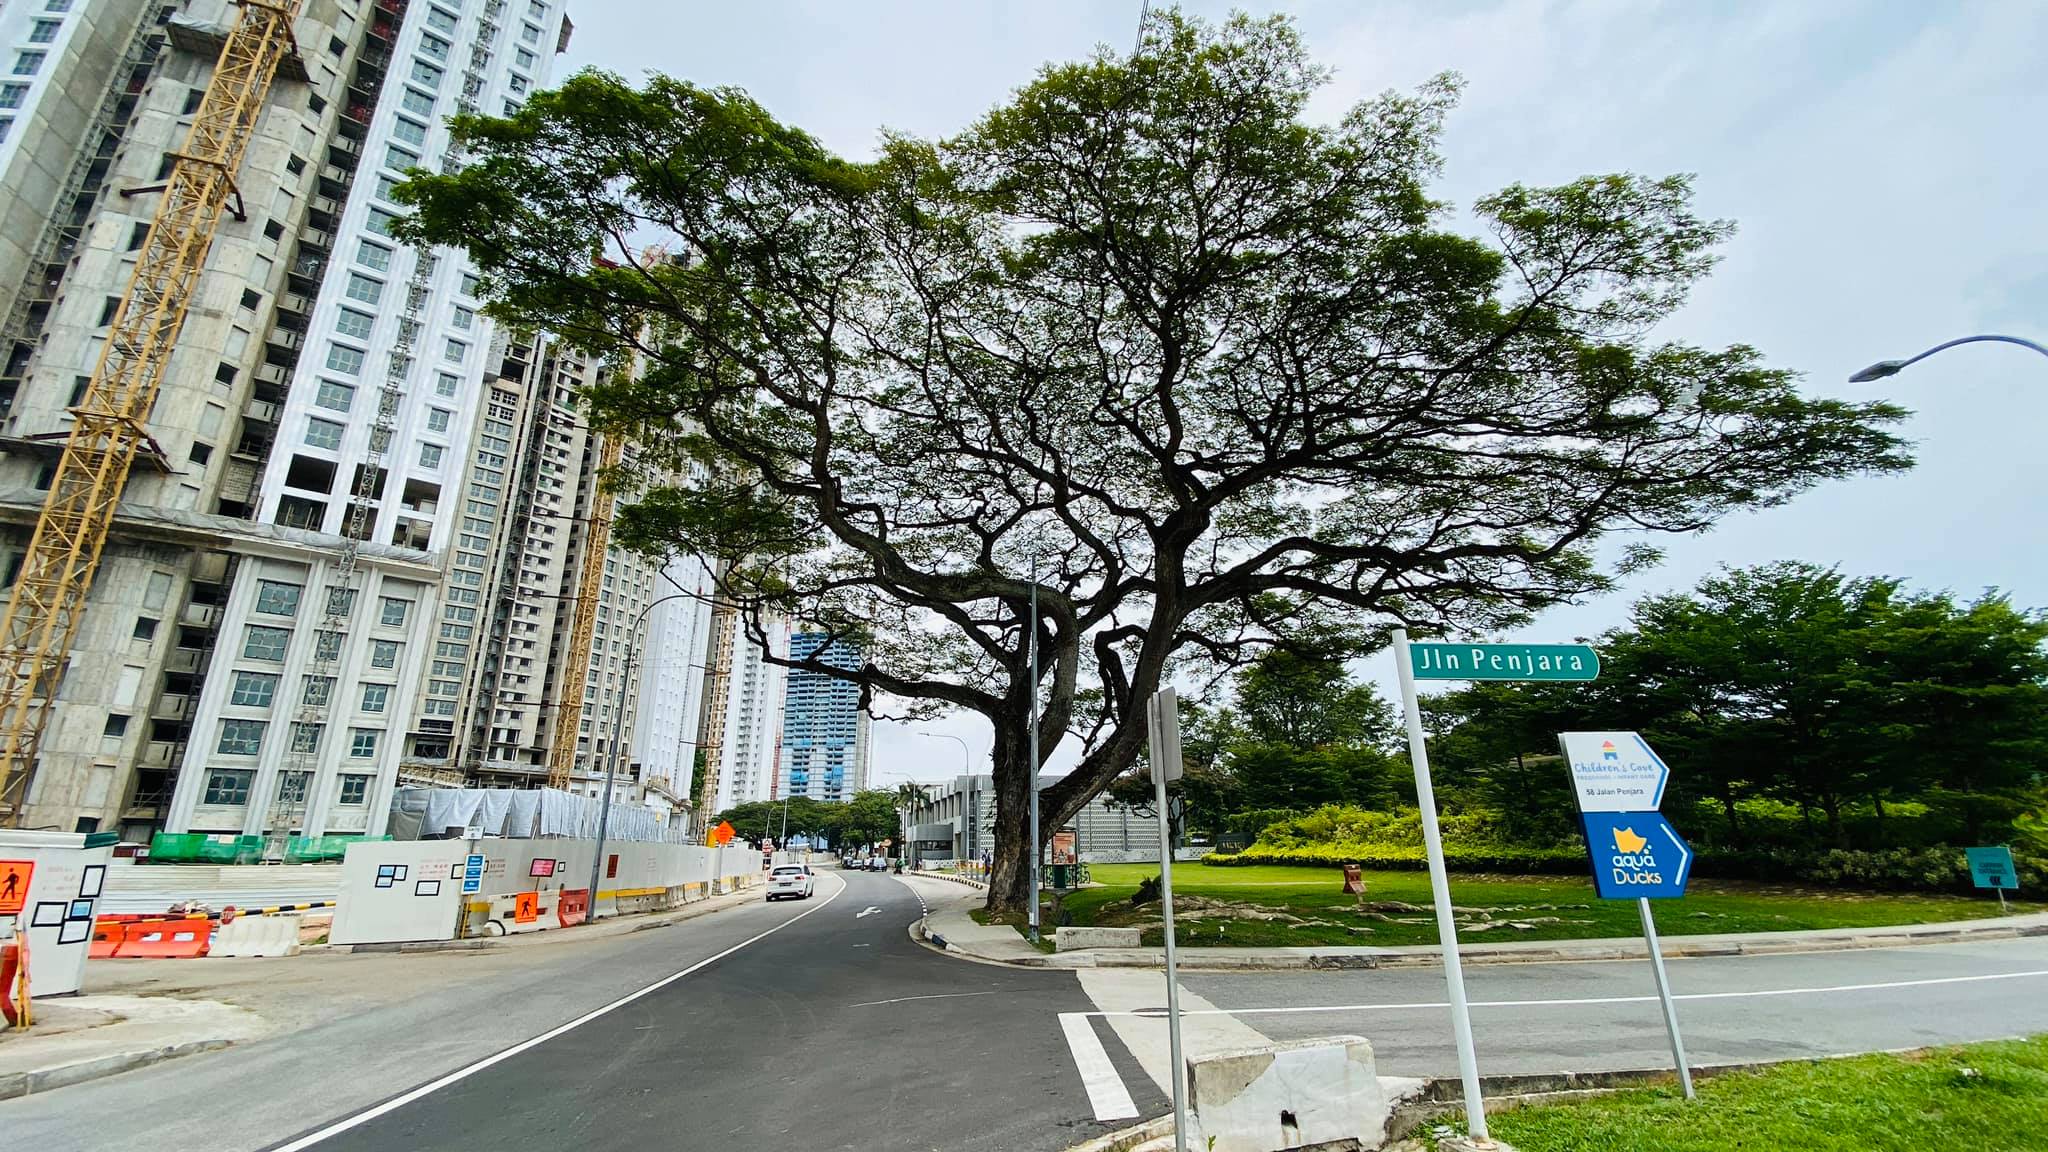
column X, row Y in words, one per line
column 48, row 599
column 576, row 665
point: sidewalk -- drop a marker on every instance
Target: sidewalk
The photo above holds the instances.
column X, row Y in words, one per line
column 86, row 1037
column 949, row 927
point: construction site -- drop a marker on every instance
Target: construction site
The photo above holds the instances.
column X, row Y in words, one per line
column 287, row 523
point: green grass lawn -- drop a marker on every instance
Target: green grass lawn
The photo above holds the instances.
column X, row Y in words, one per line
column 1972, row 1098
column 1211, row 907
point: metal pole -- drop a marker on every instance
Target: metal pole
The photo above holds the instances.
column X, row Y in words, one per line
column 611, row 766
column 1180, row 1113
column 1033, row 750
column 1440, row 887
column 1664, row 996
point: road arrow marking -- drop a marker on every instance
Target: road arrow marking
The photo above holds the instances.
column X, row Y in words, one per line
column 870, row 910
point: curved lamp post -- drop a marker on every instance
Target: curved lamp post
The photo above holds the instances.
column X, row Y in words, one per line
column 611, row 763
column 1884, row 368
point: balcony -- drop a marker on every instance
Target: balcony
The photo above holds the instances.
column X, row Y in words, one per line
column 158, row 754
column 199, row 616
column 262, row 411
column 174, row 706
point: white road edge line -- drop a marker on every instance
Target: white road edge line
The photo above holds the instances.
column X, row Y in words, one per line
column 908, row 999
column 460, row 1074
column 1155, row 1013
column 1106, row 1091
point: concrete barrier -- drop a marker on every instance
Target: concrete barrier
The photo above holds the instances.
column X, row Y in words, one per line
column 257, row 936
column 1297, row 1094
column 1068, row 939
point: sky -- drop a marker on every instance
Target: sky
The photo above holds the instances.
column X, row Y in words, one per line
column 1881, row 160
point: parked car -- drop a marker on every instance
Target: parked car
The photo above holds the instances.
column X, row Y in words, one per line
column 790, row 880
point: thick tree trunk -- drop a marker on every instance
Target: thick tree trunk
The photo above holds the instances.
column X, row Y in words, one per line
column 1009, row 884
column 1728, row 809
column 1831, row 807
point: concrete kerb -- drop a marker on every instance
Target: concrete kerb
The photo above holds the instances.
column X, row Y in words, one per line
column 1196, row 959
column 45, row 1079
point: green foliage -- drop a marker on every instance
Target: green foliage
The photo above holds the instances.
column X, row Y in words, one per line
column 1498, row 858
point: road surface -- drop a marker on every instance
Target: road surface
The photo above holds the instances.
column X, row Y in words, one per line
column 819, row 1024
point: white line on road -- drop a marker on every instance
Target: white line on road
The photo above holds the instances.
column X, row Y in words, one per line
column 1106, row 1091
column 866, row 912
column 461, row 1074
column 1585, row 1000
column 908, row 999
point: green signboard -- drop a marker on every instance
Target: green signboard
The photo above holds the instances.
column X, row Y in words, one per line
column 1992, row 868
column 1503, row 661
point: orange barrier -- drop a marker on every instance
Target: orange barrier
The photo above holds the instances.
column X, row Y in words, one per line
column 572, row 906
column 106, row 937
column 167, row 939
column 9, row 959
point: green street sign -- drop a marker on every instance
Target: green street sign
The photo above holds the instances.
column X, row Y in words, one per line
column 1503, row 661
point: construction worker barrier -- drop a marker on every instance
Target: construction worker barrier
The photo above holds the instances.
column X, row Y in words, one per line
column 166, row 939
column 106, row 937
column 276, row 909
column 572, row 906
column 257, row 936
column 10, row 960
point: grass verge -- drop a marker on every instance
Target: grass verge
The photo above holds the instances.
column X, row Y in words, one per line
column 1277, row 906
column 1978, row 1096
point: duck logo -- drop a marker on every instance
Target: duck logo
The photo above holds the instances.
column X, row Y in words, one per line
column 1627, row 843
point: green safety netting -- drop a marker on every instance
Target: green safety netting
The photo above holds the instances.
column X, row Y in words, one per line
column 224, row 848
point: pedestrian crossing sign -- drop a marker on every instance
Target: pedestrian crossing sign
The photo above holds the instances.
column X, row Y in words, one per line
column 14, row 876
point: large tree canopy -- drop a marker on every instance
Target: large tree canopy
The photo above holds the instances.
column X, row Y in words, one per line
column 1143, row 337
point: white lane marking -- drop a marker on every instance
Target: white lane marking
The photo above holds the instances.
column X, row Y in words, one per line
column 866, row 912
column 460, row 1074
column 1106, row 1091
column 908, row 999
column 1122, row 992
column 1155, row 1013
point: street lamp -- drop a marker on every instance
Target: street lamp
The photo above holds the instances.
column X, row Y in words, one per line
column 966, row 767
column 1884, row 368
column 611, row 764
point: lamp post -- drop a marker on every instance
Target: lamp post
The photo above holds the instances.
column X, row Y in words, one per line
column 1884, row 368
column 611, row 764
column 967, row 768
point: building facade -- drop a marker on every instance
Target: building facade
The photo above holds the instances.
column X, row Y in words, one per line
column 825, row 730
column 286, row 576
column 749, row 720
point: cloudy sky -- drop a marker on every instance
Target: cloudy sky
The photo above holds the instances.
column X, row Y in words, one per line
column 1882, row 159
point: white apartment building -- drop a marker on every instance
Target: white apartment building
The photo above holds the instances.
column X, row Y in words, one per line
column 748, row 718
column 675, row 650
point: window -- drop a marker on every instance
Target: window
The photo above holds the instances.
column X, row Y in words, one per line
column 253, row 689
column 145, row 628
column 523, row 58
column 340, row 601
column 260, row 643
column 277, row 598
column 323, row 434
column 437, row 419
column 471, row 284
column 511, row 107
column 410, row 131
column 29, row 63
column 362, row 743
column 347, row 361
column 109, row 308
column 530, row 34
column 380, row 222
column 318, row 692
column 399, row 159
column 427, row 74
column 241, row 737
column 116, row 725
column 327, row 647
column 464, row 318
column 354, row 323
column 365, row 289
column 373, row 256
column 391, row 611
column 456, row 351
column 435, row 47
column 383, row 654
column 536, row 10
column 225, row 787
column 338, row 397
column 291, row 787
column 387, row 189
column 11, row 95
column 306, row 737
column 518, row 84
column 375, row 697
column 440, row 20
column 355, row 790
column 194, row 97
column 44, row 31
column 446, row 384
column 430, row 456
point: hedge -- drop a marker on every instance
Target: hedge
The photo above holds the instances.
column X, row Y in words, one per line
column 1401, row 858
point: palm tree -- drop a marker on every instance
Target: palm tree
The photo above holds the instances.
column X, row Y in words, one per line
column 910, row 796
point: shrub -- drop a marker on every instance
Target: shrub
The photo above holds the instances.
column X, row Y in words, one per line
column 1402, row 858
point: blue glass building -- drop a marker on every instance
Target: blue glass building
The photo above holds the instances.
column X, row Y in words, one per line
column 824, row 730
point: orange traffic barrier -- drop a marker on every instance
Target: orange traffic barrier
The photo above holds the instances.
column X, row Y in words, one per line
column 106, row 937
column 9, row 963
column 167, row 939
column 572, row 906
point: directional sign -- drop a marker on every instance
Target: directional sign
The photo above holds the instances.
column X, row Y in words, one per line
column 1614, row 771
column 473, row 873
column 1637, row 855
column 1503, row 661
column 14, row 876
column 1989, row 868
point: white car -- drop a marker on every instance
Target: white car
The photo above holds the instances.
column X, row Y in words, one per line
column 790, row 880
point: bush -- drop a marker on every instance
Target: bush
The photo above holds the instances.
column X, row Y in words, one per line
column 1402, row 858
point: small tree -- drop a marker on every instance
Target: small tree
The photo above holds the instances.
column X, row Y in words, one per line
column 1143, row 342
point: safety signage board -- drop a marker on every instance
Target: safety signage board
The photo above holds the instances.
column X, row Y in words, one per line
column 1637, row 855
column 1439, row 661
column 1989, row 868
column 1614, row 771
column 473, row 873
column 14, row 877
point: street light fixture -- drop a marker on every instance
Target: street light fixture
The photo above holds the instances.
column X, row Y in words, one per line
column 611, row 764
column 1884, row 368
column 967, row 768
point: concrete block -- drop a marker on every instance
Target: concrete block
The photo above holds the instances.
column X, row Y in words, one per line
column 1297, row 1094
column 1068, row 939
column 257, row 936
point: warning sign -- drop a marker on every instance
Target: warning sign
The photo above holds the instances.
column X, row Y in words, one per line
column 14, row 876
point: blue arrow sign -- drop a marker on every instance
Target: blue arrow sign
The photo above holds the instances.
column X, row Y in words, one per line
column 1636, row 855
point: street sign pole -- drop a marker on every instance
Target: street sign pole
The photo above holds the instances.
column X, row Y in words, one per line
column 1162, row 717
column 1031, row 750
column 1440, row 887
column 1664, row 996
